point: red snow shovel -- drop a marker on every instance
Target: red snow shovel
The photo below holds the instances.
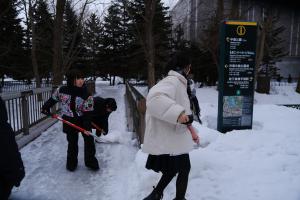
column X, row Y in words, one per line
column 56, row 116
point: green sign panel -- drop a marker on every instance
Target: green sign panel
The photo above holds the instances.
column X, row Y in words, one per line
column 236, row 75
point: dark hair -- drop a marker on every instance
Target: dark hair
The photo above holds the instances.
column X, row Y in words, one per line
column 179, row 60
column 73, row 74
column 111, row 103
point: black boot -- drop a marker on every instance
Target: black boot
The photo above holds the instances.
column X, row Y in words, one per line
column 154, row 196
column 71, row 164
column 179, row 199
column 92, row 163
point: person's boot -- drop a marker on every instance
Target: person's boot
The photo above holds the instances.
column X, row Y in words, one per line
column 154, row 196
column 71, row 164
column 92, row 163
column 179, row 199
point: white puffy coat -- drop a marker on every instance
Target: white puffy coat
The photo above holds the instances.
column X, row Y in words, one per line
column 165, row 102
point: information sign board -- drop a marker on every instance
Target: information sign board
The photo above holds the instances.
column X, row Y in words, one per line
column 236, row 75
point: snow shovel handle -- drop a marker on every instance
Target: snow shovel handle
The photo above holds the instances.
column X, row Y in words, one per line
column 96, row 127
column 56, row 116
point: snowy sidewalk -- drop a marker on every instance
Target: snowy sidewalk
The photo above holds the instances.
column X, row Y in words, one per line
column 45, row 159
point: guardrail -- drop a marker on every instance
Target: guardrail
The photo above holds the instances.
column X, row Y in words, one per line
column 135, row 111
column 14, row 86
column 24, row 108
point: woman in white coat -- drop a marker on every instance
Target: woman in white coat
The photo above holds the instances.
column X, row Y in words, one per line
column 167, row 139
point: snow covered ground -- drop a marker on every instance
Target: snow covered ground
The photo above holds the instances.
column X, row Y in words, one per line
column 258, row 164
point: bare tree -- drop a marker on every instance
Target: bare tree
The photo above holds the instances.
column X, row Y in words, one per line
column 57, row 45
column 73, row 52
column 234, row 12
column 149, row 43
column 29, row 17
column 211, row 40
column 34, row 44
column 62, row 63
column 146, row 38
column 260, row 47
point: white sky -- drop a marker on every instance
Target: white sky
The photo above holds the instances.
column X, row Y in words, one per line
column 99, row 6
column 258, row 164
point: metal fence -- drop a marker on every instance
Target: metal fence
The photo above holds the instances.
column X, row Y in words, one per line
column 24, row 108
column 14, row 86
column 135, row 111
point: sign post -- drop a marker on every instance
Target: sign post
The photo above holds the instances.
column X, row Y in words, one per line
column 236, row 75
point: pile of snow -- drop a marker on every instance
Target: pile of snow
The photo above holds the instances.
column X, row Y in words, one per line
column 262, row 163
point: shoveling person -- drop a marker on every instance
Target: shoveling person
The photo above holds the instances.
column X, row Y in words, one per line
column 76, row 107
column 103, row 107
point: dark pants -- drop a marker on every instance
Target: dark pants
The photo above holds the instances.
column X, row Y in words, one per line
column 5, row 189
column 89, row 147
column 181, row 182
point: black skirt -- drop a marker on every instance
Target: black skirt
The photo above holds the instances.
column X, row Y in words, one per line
column 166, row 163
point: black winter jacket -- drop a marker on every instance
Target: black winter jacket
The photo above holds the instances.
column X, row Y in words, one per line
column 99, row 114
column 76, row 106
column 11, row 164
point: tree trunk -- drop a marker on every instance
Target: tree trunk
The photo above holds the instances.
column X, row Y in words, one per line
column 72, row 51
column 262, row 85
column 150, row 50
column 114, row 80
column 33, row 50
column 220, row 10
column 234, row 13
column 27, row 23
column 57, row 45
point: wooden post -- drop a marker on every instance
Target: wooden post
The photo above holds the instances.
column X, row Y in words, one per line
column 25, row 110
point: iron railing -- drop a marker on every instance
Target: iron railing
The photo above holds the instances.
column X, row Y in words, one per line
column 135, row 111
column 14, row 86
column 24, row 108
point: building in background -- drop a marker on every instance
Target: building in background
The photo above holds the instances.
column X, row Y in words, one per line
column 193, row 17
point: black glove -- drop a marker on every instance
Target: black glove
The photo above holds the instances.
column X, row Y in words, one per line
column 191, row 119
column 98, row 133
column 46, row 112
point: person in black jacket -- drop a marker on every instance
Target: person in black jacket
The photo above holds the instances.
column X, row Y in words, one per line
column 11, row 165
column 76, row 107
column 103, row 107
